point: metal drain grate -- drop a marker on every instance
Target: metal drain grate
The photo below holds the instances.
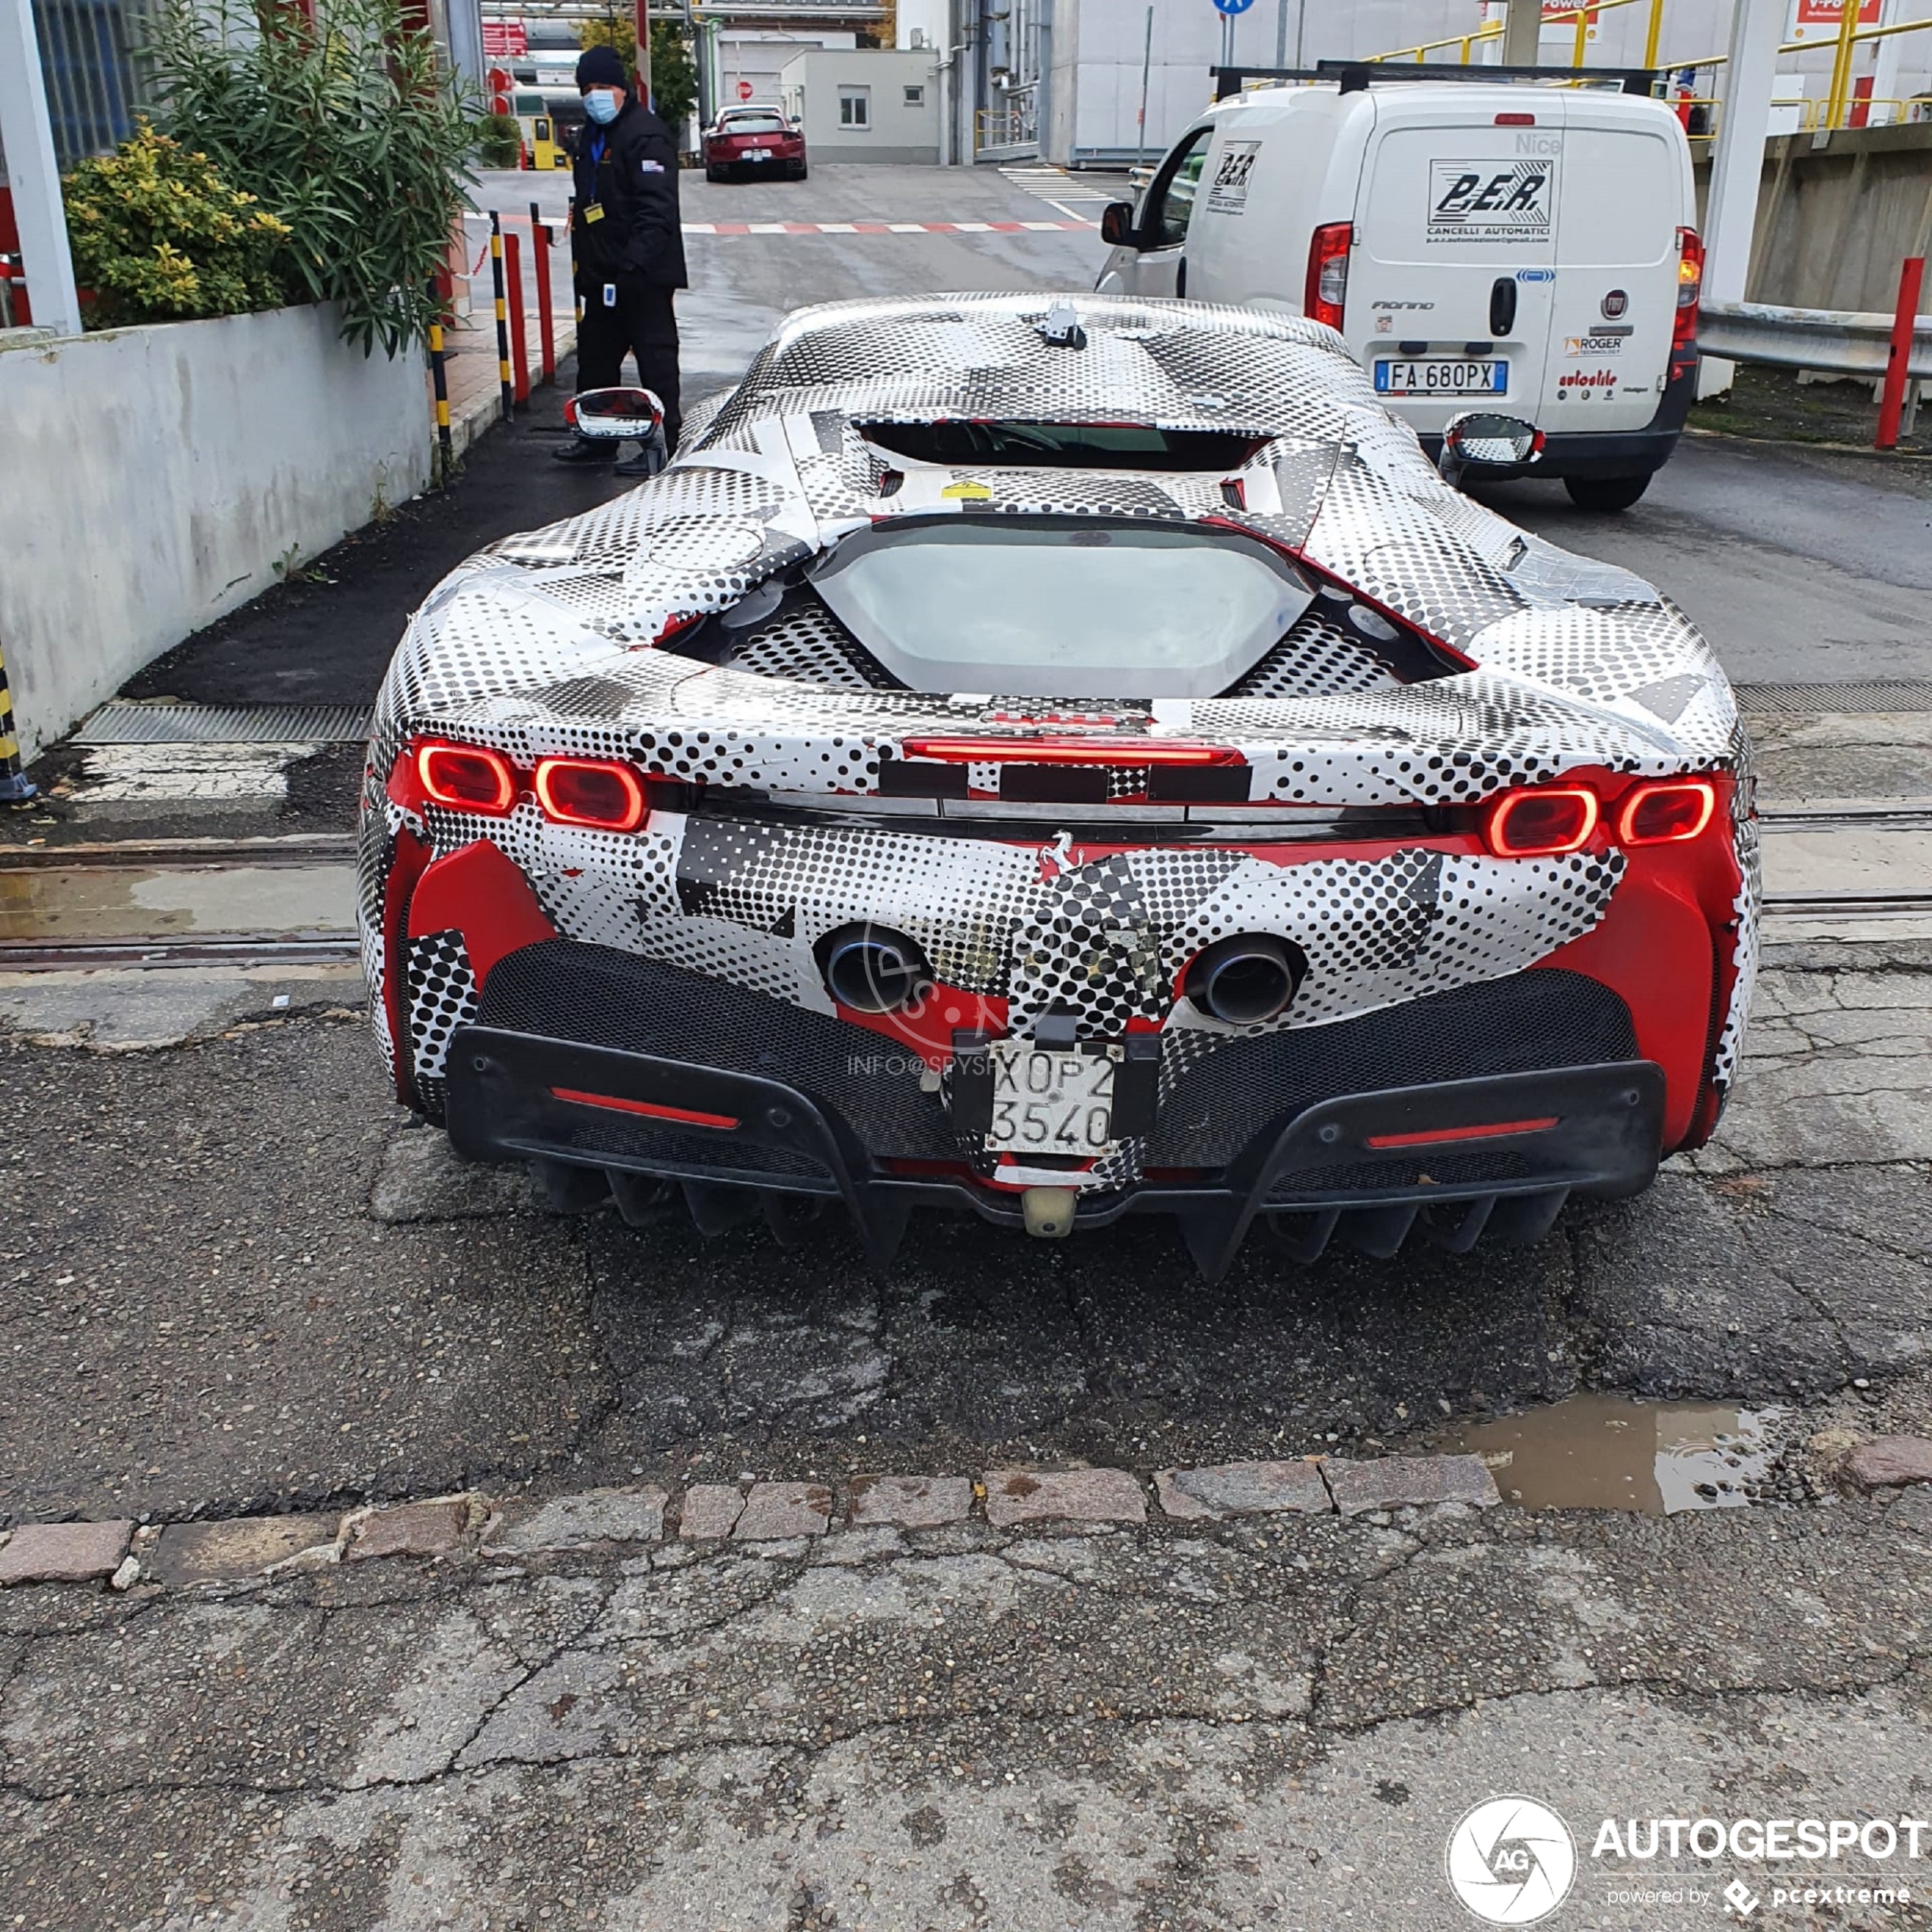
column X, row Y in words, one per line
column 122, row 721
column 1812, row 700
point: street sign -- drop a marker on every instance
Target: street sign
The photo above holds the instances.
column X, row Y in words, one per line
column 504, row 39
column 746, row 90
column 1818, row 20
column 1232, row 6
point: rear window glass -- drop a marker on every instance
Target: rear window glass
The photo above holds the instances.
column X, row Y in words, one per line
column 1062, row 607
column 755, row 124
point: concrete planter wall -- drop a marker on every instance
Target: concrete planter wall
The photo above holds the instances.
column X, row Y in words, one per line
column 150, row 478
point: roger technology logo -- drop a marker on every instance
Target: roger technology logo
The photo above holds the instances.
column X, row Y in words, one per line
column 1512, row 1861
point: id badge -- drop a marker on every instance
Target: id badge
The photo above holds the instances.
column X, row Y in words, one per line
column 593, row 211
column 610, row 295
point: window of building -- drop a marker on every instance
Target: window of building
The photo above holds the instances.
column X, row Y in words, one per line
column 915, row 96
column 855, row 107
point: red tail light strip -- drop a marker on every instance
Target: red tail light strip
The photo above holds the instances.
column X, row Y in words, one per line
column 1070, row 751
column 1486, row 1130
column 682, row 1117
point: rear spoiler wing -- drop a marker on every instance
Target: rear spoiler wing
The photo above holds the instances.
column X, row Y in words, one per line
column 1354, row 74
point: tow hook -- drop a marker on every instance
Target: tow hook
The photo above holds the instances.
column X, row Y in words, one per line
column 1049, row 1211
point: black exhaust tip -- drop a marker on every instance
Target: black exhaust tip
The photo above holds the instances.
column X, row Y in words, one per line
column 872, row 968
column 1246, row 979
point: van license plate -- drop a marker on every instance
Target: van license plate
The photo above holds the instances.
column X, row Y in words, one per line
column 1439, row 376
column 1051, row 1103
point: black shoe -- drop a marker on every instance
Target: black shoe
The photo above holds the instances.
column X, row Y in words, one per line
column 647, row 461
column 586, row 449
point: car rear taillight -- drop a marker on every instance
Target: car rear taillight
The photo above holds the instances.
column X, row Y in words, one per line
column 467, row 778
column 1540, row 822
column 1663, row 814
column 1327, row 290
column 1690, row 287
column 598, row 793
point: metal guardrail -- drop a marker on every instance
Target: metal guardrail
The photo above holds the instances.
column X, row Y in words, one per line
column 1846, row 341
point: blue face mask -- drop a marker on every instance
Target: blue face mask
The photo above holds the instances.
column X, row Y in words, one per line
column 600, row 103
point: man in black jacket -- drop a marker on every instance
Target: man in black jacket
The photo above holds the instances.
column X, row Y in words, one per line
column 627, row 248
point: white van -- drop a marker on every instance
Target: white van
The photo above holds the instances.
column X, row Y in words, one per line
column 1529, row 248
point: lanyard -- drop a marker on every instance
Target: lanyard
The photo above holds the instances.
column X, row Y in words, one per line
column 596, row 150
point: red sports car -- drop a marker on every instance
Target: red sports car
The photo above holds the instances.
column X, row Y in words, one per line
column 1061, row 762
column 749, row 140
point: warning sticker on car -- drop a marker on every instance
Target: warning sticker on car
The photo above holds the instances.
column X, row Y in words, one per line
column 1228, row 191
column 1508, row 202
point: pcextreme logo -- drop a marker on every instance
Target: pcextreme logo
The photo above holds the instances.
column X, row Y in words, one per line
column 1512, row 1861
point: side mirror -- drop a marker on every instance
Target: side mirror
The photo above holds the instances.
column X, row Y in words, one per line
column 1116, row 224
column 1482, row 440
column 612, row 415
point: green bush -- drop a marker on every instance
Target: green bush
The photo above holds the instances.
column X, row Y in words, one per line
column 159, row 235
column 349, row 127
column 500, row 142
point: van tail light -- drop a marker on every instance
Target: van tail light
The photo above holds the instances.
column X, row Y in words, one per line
column 1540, row 822
column 598, row 793
column 467, row 778
column 1690, row 288
column 1327, row 289
column 1664, row 814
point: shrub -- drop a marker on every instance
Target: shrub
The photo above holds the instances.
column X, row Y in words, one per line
column 159, row 235
column 500, row 142
column 347, row 127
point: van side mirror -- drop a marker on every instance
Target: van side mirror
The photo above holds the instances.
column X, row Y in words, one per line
column 1483, row 439
column 1116, row 224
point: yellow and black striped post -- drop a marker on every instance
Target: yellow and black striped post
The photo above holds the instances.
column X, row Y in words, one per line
column 503, row 316
column 439, row 374
column 16, row 788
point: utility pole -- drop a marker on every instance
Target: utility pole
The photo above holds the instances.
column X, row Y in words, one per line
column 27, row 137
column 1281, row 33
column 1146, row 66
column 1522, row 31
column 643, row 51
column 1730, row 212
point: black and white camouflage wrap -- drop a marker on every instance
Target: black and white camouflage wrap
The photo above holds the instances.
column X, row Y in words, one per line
column 543, row 645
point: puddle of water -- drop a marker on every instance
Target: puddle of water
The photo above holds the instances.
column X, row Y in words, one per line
column 116, row 902
column 1606, row 1452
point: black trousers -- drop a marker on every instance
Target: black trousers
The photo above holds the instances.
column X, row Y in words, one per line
column 643, row 323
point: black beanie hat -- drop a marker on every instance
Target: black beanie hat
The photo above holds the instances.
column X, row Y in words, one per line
column 600, row 67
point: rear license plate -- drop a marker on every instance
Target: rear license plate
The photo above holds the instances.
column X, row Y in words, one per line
column 756, row 154
column 1439, row 376
column 1051, row 1102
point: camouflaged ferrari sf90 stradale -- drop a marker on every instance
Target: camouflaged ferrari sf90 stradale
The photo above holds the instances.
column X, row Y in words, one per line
column 1061, row 766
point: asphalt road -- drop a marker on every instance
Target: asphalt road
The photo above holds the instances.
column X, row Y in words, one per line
column 239, row 1281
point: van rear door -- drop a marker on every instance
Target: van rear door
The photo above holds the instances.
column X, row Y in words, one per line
column 1451, row 288
column 1623, row 191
